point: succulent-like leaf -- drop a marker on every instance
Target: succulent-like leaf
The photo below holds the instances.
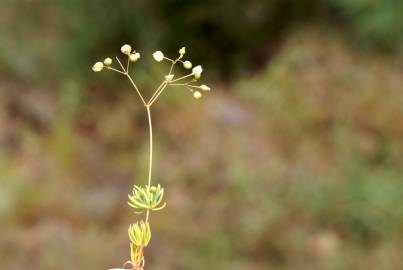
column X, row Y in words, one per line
column 140, row 233
column 146, row 198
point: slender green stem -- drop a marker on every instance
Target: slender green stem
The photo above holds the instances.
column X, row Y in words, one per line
column 114, row 69
column 156, row 91
column 135, row 87
column 178, row 84
column 157, row 95
column 120, row 63
column 172, row 66
column 150, row 164
column 169, row 59
column 150, row 126
column 181, row 78
column 128, row 64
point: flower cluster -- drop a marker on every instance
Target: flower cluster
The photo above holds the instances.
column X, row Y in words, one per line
column 133, row 56
column 196, row 72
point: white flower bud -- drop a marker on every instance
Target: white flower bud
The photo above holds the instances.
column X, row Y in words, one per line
column 134, row 57
column 98, row 66
column 158, row 56
column 126, row 49
column 197, row 95
column 187, row 64
column 182, row 51
column 108, row 61
column 169, row 77
column 204, row 87
column 197, row 70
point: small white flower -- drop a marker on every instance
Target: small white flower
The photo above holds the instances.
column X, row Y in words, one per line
column 126, row 49
column 187, row 64
column 108, row 61
column 169, row 77
column 197, row 70
column 134, row 57
column 98, row 66
column 158, row 56
column 197, row 95
column 182, row 51
column 204, row 87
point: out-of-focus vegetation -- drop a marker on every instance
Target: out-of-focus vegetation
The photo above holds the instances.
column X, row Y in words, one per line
column 224, row 34
column 294, row 163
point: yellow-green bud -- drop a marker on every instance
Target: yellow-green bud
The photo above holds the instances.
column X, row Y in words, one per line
column 182, row 51
column 187, row 64
column 204, row 87
column 134, row 57
column 197, row 70
column 108, row 61
column 197, row 95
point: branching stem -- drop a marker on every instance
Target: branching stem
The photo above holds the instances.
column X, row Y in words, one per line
column 181, row 78
column 135, row 87
column 157, row 93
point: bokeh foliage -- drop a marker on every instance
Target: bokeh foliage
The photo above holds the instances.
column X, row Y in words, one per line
column 227, row 35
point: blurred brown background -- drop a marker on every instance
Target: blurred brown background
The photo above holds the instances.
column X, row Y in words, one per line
column 293, row 161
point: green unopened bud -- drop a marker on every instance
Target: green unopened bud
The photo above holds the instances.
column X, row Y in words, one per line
column 108, row 61
column 197, row 71
column 187, row 64
column 197, row 95
column 204, row 87
column 134, row 57
column 182, row 51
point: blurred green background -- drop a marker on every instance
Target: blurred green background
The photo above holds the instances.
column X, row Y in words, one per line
column 293, row 161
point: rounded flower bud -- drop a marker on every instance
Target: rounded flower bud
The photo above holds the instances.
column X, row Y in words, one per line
column 169, row 77
column 108, row 61
column 158, row 56
column 204, row 87
column 197, row 95
column 182, row 51
column 134, row 57
column 98, row 66
column 187, row 64
column 126, row 49
column 197, row 70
